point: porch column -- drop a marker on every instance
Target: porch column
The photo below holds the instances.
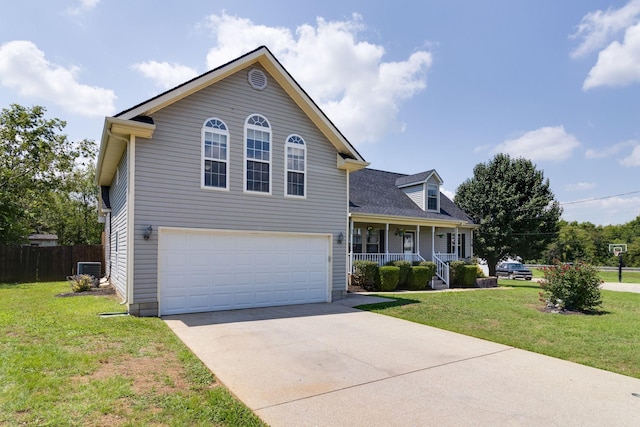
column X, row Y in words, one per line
column 433, row 241
column 386, row 238
column 456, row 249
column 418, row 239
column 471, row 243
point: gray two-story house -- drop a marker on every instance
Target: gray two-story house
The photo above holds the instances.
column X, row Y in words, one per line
column 229, row 191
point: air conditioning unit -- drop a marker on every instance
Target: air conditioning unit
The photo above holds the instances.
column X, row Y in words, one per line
column 90, row 268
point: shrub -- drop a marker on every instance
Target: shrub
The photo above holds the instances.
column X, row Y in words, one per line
column 571, row 287
column 469, row 274
column 431, row 265
column 365, row 274
column 456, row 272
column 420, row 276
column 389, row 276
column 82, row 282
column 405, row 273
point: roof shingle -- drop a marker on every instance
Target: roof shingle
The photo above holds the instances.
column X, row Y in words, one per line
column 374, row 191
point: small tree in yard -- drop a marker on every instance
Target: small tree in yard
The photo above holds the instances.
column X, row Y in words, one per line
column 571, row 287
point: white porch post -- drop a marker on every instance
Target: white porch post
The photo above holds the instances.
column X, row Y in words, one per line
column 386, row 242
column 433, row 241
column 418, row 239
column 471, row 243
column 456, row 247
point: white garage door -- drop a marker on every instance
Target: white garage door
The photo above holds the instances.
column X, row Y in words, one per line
column 208, row 270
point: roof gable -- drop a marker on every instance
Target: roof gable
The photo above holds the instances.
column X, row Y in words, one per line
column 418, row 178
column 263, row 56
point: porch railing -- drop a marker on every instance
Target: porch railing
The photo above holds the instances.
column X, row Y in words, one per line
column 442, row 267
column 382, row 259
column 446, row 257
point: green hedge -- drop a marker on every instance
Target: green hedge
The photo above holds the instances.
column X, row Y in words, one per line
column 389, row 277
column 420, row 277
column 463, row 274
column 404, row 281
column 366, row 274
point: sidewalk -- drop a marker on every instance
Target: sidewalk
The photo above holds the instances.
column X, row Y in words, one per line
column 621, row 287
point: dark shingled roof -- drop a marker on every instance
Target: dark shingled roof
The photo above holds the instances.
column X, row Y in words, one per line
column 375, row 192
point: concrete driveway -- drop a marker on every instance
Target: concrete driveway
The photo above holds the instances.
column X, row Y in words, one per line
column 332, row 365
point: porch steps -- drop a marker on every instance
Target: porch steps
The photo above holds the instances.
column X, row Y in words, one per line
column 437, row 283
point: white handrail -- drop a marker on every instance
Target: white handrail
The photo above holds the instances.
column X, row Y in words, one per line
column 442, row 268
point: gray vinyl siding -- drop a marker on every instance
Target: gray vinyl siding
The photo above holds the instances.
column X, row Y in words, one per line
column 118, row 252
column 417, row 194
column 168, row 177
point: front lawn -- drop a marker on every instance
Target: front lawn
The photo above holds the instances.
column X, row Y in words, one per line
column 62, row 364
column 511, row 315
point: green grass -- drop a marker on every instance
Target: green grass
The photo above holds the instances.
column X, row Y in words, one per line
column 607, row 276
column 512, row 316
column 63, row 365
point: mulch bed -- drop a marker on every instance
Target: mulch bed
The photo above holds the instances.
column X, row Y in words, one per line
column 102, row 290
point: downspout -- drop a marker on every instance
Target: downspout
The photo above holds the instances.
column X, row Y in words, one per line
column 131, row 175
column 130, row 145
column 350, row 238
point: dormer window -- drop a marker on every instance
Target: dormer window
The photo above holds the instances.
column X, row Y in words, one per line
column 423, row 189
column 433, row 199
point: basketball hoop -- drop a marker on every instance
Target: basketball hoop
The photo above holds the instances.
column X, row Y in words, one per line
column 618, row 248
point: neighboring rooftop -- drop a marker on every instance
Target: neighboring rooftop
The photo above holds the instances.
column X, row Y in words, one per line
column 376, row 192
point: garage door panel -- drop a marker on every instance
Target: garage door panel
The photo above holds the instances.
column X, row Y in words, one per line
column 209, row 270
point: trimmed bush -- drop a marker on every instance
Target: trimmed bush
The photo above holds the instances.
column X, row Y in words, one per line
column 571, row 287
column 365, row 274
column 431, row 265
column 420, row 276
column 405, row 273
column 456, row 272
column 389, row 276
column 469, row 274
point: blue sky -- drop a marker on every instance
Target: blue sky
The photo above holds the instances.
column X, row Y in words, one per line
column 414, row 86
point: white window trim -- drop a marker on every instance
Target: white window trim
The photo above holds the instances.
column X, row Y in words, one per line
column 437, row 209
column 202, row 157
column 288, row 144
column 244, row 167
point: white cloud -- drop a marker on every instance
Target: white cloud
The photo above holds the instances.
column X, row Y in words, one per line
column 580, row 186
column 345, row 76
column 598, row 28
column 165, row 75
column 633, row 159
column 609, row 151
column 83, row 6
column 23, row 67
column 547, row 143
column 449, row 194
column 618, row 64
column 612, row 210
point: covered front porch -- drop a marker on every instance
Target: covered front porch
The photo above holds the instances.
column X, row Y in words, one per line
column 384, row 241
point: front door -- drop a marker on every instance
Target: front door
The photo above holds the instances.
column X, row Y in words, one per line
column 409, row 246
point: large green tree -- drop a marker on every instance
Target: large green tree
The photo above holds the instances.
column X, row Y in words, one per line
column 514, row 207
column 35, row 159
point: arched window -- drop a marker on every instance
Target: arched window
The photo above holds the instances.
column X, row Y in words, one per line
column 257, row 137
column 296, row 166
column 215, row 154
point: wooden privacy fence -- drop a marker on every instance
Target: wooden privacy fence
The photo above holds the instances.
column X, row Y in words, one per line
column 22, row 264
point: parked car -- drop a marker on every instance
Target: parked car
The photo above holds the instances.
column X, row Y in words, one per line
column 513, row 270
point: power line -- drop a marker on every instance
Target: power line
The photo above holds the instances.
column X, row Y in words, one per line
column 599, row 198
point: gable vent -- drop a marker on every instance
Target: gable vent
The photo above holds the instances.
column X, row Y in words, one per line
column 257, row 79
